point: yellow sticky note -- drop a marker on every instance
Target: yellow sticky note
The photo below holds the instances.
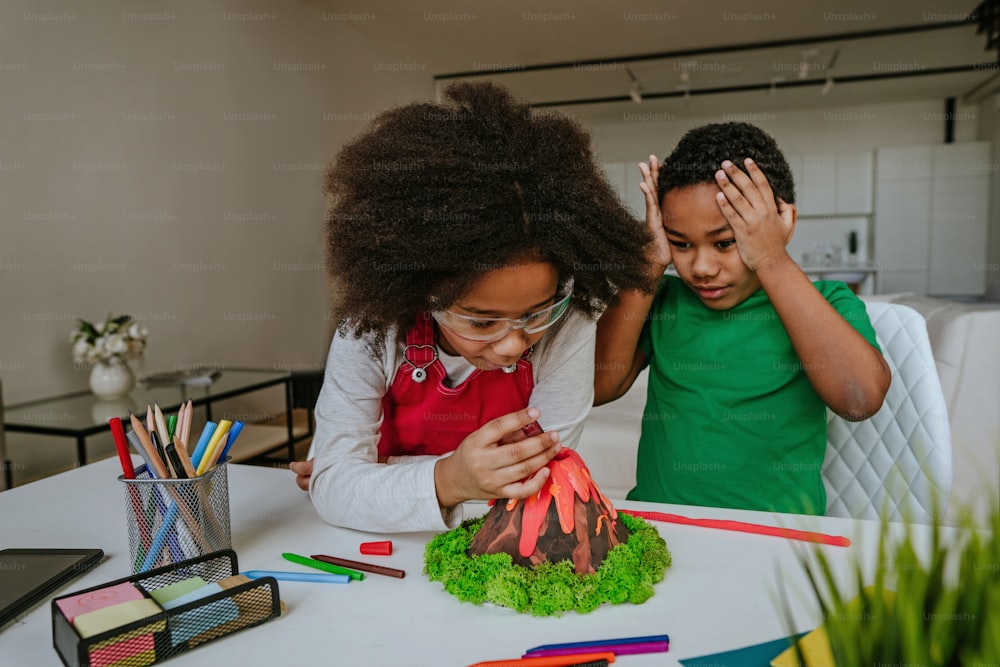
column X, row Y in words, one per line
column 96, row 622
column 815, row 646
column 815, row 649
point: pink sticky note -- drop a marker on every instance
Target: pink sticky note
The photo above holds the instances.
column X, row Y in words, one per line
column 84, row 603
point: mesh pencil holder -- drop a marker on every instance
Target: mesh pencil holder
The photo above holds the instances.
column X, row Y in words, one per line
column 172, row 520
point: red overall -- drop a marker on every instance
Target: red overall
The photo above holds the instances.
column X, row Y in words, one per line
column 430, row 418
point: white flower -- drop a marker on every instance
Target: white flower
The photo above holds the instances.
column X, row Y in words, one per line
column 80, row 350
column 115, row 344
column 115, row 338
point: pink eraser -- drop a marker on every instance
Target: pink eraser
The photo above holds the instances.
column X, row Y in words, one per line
column 383, row 548
column 103, row 597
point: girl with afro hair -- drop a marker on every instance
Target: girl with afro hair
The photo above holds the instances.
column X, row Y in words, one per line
column 472, row 245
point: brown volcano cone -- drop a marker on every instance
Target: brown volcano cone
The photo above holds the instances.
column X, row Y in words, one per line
column 581, row 525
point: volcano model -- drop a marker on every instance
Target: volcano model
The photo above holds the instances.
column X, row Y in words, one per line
column 581, row 526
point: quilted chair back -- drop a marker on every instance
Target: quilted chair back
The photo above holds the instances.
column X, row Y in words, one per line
column 898, row 462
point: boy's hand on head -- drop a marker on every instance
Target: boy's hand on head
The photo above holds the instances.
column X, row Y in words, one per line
column 761, row 225
column 498, row 460
column 659, row 250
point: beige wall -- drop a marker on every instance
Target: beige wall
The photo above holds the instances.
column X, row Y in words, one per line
column 165, row 160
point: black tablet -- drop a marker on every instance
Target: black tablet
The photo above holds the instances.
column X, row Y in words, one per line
column 27, row 576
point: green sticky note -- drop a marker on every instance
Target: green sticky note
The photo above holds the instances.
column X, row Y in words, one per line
column 177, row 589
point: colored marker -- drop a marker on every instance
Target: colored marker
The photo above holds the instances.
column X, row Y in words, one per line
column 364, row 567
column 633, row 648
column 550, row 660
column 299, row 576
column 206, row 437
column 234, row 433
column 602, row 642
column 320, row 565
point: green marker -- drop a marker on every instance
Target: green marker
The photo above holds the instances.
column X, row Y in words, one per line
column 326, row 567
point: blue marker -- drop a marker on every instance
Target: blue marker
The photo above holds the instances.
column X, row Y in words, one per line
column 234, row 432
column 199, row 450
column 317, row 578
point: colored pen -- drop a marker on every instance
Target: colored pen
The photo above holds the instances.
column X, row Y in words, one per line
column 550, row 660
column 158, row 445
column 634, row 648
column 161, row 424
column 121, row 445
column 175, row 461
column 203, row 440
column 364, row 567
column 742, row 526
column 299, row 576
column 208, row 459
column 320, row 565
column 234, row 433
column 171, row 426
column 185, row 427
column 165, row 532
column 183, row 456
column 128, row 471
column 152, row 456
column 602, row 642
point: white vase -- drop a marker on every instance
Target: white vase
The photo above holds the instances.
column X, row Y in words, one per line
column 112, row 379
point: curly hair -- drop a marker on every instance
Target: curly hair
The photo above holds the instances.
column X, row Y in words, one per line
column 700, row 152
column 431, row 197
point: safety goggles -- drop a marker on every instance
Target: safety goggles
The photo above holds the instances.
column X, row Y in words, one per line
column 490, row 329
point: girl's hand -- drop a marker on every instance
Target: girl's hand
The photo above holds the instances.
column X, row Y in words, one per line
column 659, row 251
column 498, row 460
column 303, row 471
column 762, row 227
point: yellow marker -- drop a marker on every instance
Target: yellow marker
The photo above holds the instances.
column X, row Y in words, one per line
column 219, row 436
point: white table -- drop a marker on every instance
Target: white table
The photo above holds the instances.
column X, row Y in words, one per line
column 719, row 594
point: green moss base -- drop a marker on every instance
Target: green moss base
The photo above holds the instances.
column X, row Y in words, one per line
column 626, row 575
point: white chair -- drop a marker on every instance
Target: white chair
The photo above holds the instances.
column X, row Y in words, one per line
column 898, row 462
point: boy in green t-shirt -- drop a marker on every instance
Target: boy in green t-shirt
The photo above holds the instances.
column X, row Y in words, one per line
column 745, row 353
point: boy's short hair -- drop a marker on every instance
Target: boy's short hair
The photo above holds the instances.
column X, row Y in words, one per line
column 700, row 152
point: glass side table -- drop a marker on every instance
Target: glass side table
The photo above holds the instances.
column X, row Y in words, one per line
column 82, row 414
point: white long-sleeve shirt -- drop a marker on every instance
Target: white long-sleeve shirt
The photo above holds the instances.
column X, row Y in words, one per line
column 350, row 488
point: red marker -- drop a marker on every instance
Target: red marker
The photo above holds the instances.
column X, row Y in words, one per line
column 121, row 444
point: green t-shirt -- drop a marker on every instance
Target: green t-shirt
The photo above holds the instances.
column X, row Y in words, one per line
column 731, row 419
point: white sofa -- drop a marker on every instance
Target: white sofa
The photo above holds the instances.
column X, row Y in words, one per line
column 965, row 340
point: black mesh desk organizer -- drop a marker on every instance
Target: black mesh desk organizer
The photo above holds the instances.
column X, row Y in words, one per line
column 257, row 601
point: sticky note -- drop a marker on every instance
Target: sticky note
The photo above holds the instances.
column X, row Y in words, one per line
column 133, row 651
column 186, row 625
column 815, row 646
column 176, row 590
column 84, row 603
column 117, row 615
column 255, row 606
